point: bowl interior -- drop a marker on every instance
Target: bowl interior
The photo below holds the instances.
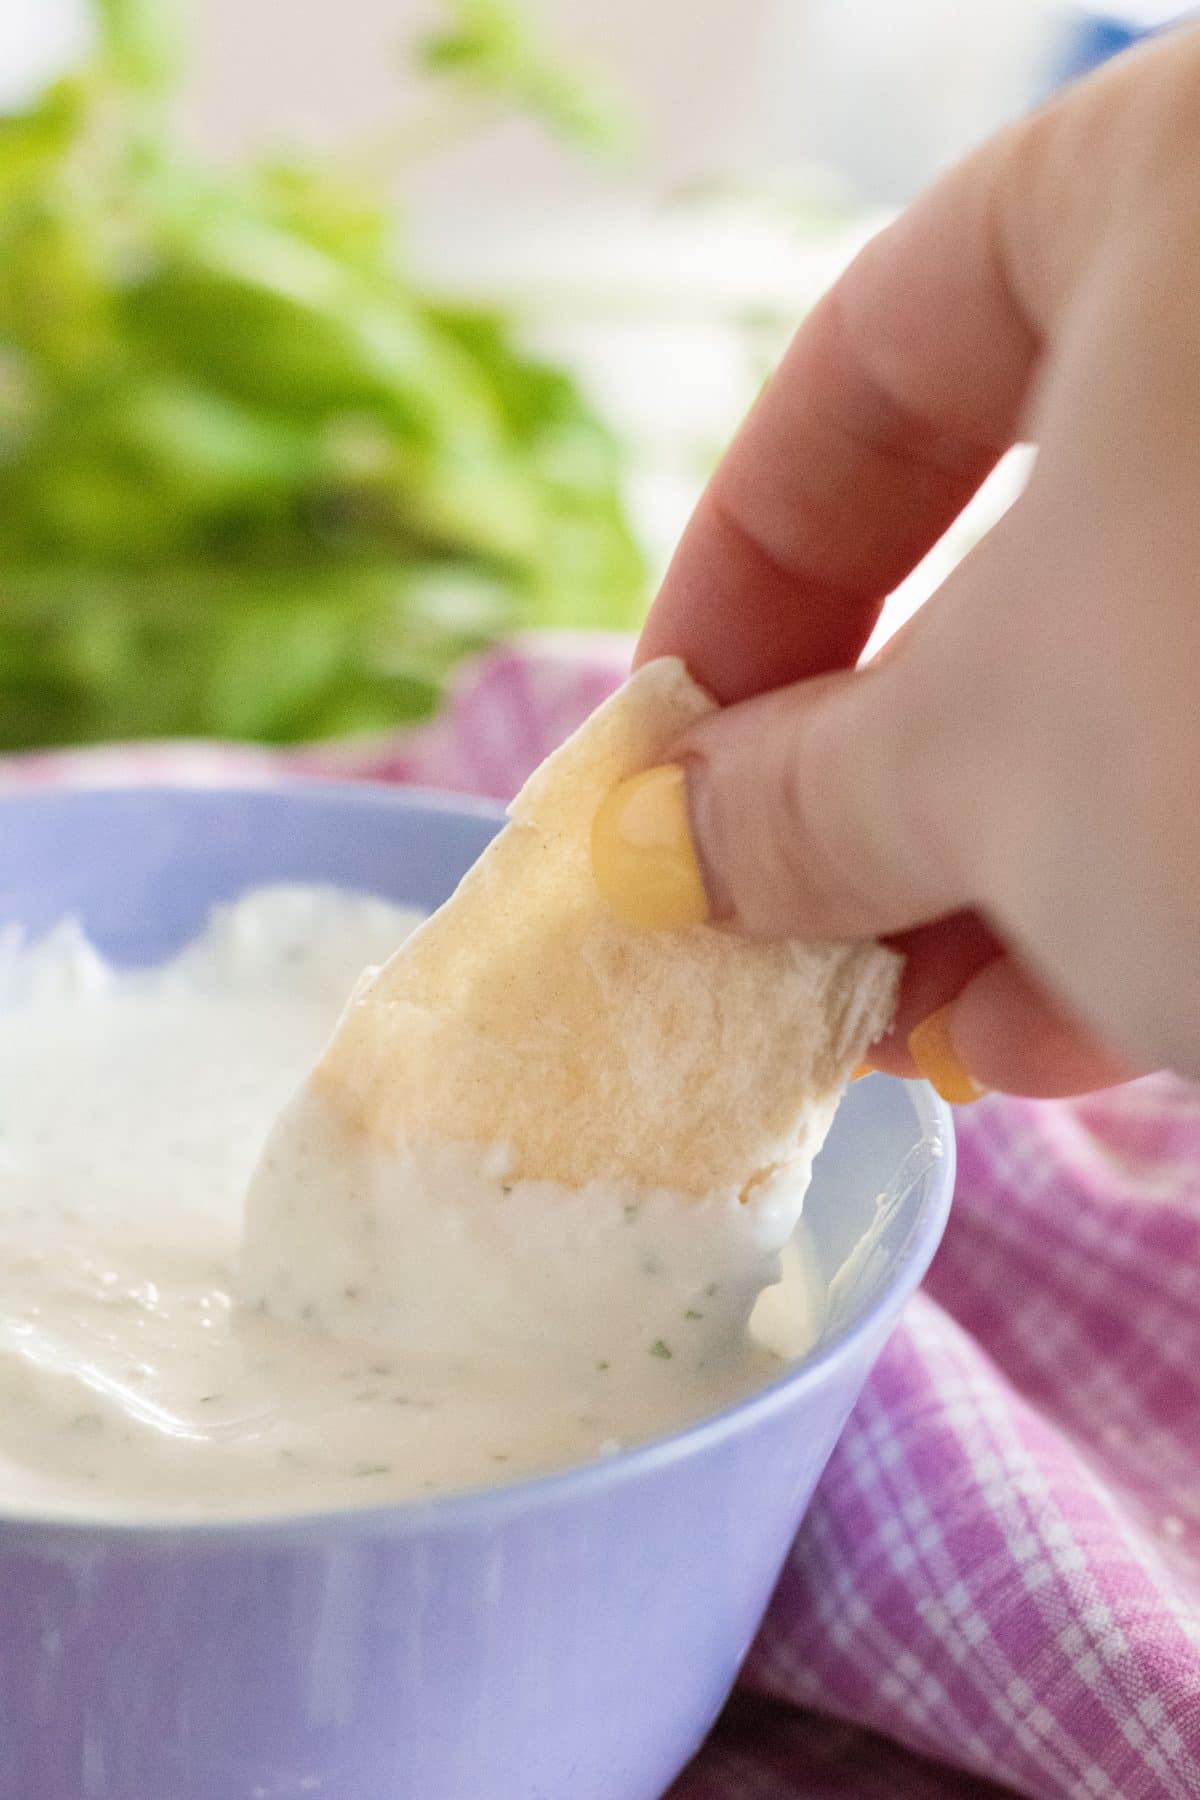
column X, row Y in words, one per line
column 141, row 868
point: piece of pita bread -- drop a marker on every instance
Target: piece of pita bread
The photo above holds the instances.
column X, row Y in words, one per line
column 522, row 1014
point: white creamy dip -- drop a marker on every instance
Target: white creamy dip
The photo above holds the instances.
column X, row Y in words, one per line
column 455, row 1334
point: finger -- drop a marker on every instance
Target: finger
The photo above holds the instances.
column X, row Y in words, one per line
column 1001, row 1025
column 939, row 960
column 896, row 397
column 837, row 484
column 849, row 805
column 1007, row 1033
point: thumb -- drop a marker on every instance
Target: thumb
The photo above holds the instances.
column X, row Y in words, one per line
column 819, row 810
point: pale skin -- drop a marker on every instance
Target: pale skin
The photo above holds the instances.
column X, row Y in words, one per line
column 1012, row 791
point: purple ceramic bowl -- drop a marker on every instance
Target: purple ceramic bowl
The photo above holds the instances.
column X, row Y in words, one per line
column 572, row 1636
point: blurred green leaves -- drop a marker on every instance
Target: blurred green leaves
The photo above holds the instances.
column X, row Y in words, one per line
column 490, row 48
column 254, row 481
column 137, row 42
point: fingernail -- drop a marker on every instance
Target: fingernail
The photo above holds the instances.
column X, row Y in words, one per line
column 932, row 1049
column 643, row 857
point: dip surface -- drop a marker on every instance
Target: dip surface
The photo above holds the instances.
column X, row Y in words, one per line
column 133, row 1384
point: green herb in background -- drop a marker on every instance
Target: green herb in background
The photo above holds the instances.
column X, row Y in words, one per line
column 254, row 480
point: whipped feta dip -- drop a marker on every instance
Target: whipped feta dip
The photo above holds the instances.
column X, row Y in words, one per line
column 381, row 1333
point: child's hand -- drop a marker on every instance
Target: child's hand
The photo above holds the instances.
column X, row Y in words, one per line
column 1013, row 790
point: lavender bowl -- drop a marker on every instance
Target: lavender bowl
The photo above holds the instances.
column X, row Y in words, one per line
column 574, row 1635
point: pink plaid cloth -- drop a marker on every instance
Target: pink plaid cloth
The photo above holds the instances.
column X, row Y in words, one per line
column 997, row 1588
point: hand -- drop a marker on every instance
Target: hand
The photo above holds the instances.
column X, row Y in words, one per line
column 1011, row 792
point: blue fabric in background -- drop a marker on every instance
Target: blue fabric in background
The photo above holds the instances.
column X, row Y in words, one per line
column 1098, row 36
column 1094, row 42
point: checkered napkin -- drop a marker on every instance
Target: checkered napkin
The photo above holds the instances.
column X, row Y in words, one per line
column 997, row 1588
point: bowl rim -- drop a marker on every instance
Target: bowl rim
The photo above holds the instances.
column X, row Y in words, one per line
column 484, row 1504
